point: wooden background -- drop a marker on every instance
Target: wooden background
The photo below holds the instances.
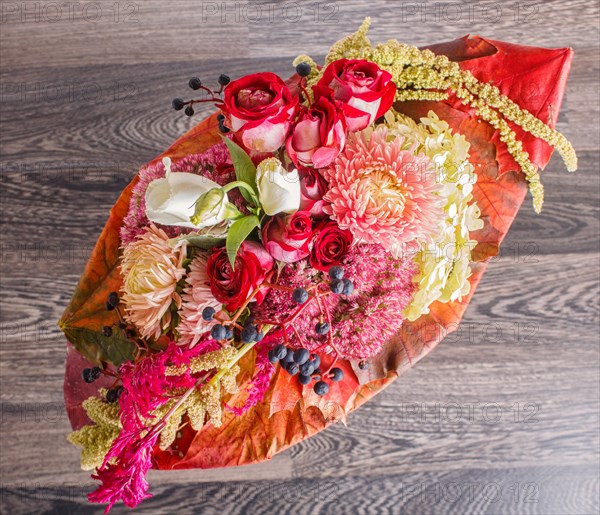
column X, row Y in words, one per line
column 501, row 418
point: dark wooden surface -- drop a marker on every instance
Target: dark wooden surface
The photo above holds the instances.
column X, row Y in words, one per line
column 501, row 418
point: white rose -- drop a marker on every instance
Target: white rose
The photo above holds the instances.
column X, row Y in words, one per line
column 171, row 200
column 278, row 189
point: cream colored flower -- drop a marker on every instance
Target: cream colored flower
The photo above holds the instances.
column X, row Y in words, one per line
column 278, row 188
column 444, row 260
column 151, row 268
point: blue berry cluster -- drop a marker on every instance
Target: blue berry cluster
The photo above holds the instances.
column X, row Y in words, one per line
column 339, row 285
column 305, row 365
column 219, row 332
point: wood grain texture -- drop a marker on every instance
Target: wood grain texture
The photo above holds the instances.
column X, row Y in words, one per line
column 501, row 418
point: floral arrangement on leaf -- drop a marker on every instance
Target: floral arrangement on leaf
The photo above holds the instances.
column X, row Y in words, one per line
column 291, row 255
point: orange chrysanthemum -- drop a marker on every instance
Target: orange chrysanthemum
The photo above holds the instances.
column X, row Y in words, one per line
column 382, row 193
column 151, row 268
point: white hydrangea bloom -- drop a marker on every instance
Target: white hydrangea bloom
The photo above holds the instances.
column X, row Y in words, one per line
column 445, row 258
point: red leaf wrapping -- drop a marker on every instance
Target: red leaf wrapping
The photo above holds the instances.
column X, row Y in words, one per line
column 535, row 78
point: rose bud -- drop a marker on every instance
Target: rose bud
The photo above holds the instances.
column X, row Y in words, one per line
column 364, row 90
column 211, row 206
column 278, row 188
column 288, row 237
column 233, row 286
column 318, row 136
column 330, row 246
column 259, row 109
column 312, row 189
column 170, row 200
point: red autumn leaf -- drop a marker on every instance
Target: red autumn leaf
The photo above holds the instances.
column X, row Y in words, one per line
column 266, row 430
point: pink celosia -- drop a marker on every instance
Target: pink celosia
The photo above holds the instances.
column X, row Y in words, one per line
column 361, row 322
column 263, row 371
column 215, row 164
column 196, row 296
column 382, row 193
column 151, row 269
column 125, row 479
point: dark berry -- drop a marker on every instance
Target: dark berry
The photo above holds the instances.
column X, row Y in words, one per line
column 316, row 360
column 113, row 394
column 122, row 325
column 178, row 104
column 222, row 127
column 336, row 273
column 280, row 351
column 195, row 83
column 348, row 286
column 307, row 368
column 273, row 357
column 321, row 388
column 292, row 368
column 249, row 334
column 89, row 375
column 224, row 79
column 218, row 332
column 208, row 313
column 322, row 328
column 229, row 334
column 220, row 117
column 113, row 298
column 303, row 69
column 337, row 287
column 289, row 357
column 304, row 379
column 109, row 306
column 337, row 374
column 300, row 295
column 107, row 331
column 301, row 356
column 363, row 365
column 189, row 111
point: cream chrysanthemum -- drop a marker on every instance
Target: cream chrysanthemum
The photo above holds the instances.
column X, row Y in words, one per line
column 151, row 268
column 444, row 261
column 197, row 295
column 382, row 192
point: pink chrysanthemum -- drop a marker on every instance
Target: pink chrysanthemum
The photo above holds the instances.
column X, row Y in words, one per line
column 151, row 268
column 197, row 295
column 361, row 322
column 214, row 164
column 381, row 193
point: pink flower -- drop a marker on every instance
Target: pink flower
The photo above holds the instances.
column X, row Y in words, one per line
column 312, row 189
column 259, row 108
column 287, row 237
column 381, row 193
column 365, row 91
column 318, row 136
column 196, row 296
column 362, row 322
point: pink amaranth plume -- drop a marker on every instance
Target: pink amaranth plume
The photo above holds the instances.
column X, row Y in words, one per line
column 361, row 322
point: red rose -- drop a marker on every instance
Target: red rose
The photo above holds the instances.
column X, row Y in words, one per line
column 318, row 136
column 233, row 287
column 312, row 188
column 365, row 90
column 287, row 237
column 330, row 246
column 259, row 109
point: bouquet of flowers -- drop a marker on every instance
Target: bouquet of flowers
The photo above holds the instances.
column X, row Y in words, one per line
column 291, row 255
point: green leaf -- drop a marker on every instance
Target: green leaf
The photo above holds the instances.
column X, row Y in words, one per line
column 238, row 232
column 245, row 170
column 96, row 347
column 202, row 241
